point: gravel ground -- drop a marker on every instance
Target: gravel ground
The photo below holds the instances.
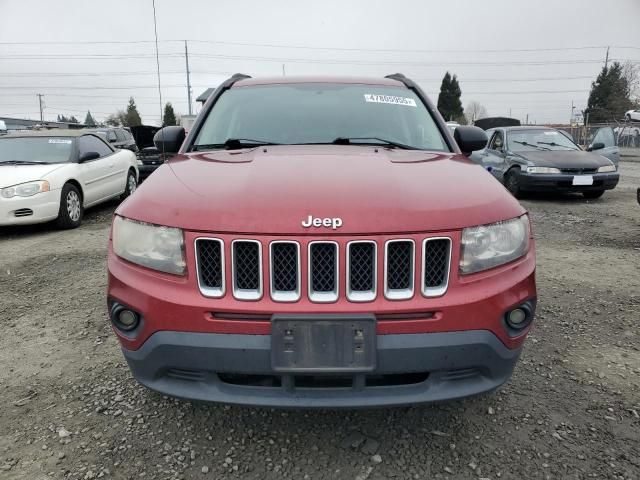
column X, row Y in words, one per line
column 70, row 408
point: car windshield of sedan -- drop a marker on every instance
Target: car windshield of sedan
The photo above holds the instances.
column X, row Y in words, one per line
column 320, row 113
column 35, row 150
column 538, row 140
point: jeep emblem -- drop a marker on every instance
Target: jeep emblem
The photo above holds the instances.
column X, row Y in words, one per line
column 334, row 222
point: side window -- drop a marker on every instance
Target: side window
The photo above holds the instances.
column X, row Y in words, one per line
column 111, row 136
column 605, row 135
column 497, row 141
column 121, row 135
column 89, row 143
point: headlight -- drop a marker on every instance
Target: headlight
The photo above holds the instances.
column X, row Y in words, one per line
column 152, row 246
column 488, row 246
column 607, row 169
column 542, row 170
column 25, row 189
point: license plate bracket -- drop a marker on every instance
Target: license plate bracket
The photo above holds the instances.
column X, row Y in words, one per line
column 583, row 180
column 323, row 343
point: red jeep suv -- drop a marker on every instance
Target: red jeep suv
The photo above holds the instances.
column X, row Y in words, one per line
column 321, row 242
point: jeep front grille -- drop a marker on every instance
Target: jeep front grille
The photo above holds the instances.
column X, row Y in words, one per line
column 323, row 271
column 399, row 269
column 210, row 266
column 399, row 263
column 436, row 260
column 361, row 271
column 247, row 269
column 285, row 271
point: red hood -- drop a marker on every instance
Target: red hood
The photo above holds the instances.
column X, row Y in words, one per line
column 272, row 190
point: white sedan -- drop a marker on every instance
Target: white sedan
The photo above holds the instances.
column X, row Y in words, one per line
column 632, row 115
column 56, row 174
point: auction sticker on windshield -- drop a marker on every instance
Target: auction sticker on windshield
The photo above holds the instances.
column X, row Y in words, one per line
column 60, row 140
column 375, row 98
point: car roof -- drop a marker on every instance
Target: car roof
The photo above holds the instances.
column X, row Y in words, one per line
column 56, row 132
column 378, row 81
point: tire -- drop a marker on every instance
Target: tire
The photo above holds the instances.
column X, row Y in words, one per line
column 132, row 185
column 627, row 117
column 71, row 208
column 512, row 183
column 593, row 194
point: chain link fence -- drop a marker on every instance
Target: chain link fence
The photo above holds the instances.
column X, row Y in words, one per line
column 625, row 135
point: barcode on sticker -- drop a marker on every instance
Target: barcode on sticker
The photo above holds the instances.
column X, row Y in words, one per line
column 375, row 98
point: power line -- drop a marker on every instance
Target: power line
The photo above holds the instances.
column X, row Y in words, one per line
column 327, row 48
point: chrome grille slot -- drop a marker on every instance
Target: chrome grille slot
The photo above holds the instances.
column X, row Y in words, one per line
column 323, row 271
column 246, row 271
column 210, row 266
column 399, row 269
column 285, row 271
column 361, row 271
column 436, row 261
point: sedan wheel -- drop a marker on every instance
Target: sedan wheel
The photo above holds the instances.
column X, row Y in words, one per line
column 71, row 208
column 512, row 183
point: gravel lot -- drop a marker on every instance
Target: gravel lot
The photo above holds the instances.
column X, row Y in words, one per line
column 70, row 408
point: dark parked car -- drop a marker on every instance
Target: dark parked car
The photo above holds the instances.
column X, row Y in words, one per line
column 118, row 137
column 149, row 158
column 527, row 159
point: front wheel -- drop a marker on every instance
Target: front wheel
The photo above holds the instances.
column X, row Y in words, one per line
column 512, row 183
column 132, row 185
column 593, row 194
column 71, row 208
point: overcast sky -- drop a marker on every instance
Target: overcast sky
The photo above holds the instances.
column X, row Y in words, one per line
column 513, row 56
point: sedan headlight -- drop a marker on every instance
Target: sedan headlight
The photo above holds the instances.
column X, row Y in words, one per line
column 543, row 170
column 25, row 189
column 152, row 246
column 607, row 169
column 489, row 246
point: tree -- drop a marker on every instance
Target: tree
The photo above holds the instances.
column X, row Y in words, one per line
column 116, row 119
column 169, row 117
column 474, row 111
column 88, row 120
column 449, row 103
column 65, row 119
column 132, row 117
column 610, row 95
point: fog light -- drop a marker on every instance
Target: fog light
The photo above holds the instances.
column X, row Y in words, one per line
column 123, row 318
column 127, row 319
column 517, row 317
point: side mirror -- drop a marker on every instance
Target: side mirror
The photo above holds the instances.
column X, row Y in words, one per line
column 470, row 139
column 169, row 139
column 88, row 156
column 113, row 140
column 595, row 146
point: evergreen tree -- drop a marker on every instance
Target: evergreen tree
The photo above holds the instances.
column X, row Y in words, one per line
column 132, row 117
column 449, row 103
column 88, row 120
column 610, row 95
column 169, row 117
column 72, row 119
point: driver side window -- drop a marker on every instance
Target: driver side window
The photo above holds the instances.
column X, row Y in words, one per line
column 497, row 141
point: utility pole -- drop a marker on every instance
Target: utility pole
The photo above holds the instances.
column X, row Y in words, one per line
column 186, row 57
column 40, row 95
column 572, row 109
column 283, row 72
column 606, row 59
column 527, row 121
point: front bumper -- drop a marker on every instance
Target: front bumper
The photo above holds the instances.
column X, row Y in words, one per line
column 38, row 208
column 235, row 369
column 564, row 182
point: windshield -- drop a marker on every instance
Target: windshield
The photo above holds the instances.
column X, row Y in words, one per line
column 538, row 140
column 36, row 149
column 317, row 113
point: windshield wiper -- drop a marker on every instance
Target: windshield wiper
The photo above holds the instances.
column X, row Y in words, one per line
column 233, row 144
column 367, row 141
column 527, row 144
column 554, row 144
column 22, row 162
